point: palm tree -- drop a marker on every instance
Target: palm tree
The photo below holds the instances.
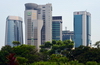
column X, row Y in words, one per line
column 97, row 44
column 16, row 43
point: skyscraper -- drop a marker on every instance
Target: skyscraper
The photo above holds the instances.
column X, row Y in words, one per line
column 82, row 28
column 57, row 27
column 38, row 24
column 14, row 31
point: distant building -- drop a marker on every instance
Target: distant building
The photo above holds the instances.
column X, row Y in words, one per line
column 67, row 35
column 38, row 24
column 57, row 28
column 14, row 31
column 82, row 28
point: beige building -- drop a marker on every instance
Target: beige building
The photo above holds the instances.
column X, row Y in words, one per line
column 38, row 24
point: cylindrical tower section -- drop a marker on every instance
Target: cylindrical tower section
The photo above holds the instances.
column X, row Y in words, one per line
column 30, row 6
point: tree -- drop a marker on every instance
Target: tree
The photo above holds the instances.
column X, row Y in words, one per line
column 27, row 51
column 16, row 43
column 57, row 47
column 47, row 45
column 22, row 60
column 97, row 44
column 44, row 50
column 45, row 63
column 3, row 58
column 75, row 62
column 53, row 42
column 59, row 42
column 84, row 54
column 7, row 48
column 58, row 58
column 69, row 44
column 12, row 59
column 91, row 63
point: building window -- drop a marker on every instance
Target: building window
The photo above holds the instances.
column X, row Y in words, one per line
column 43, row 10
column 43, row 7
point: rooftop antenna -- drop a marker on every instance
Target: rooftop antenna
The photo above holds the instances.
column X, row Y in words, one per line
column 66, row 28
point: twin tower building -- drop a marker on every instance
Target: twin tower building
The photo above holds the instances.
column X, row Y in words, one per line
column 40, row 26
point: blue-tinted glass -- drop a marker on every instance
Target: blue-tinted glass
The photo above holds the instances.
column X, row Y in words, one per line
column 14, row 32
column 78, row 30
column 88, row 30
column 56, row 30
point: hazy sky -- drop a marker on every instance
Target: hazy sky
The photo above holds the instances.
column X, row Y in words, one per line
column 64, row 8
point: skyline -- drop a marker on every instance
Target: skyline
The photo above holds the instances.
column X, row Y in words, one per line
column 60, row 8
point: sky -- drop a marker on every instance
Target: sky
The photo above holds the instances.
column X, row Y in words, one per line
column 64, row 8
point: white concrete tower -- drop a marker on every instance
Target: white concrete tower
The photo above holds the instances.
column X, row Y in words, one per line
column 38, row 24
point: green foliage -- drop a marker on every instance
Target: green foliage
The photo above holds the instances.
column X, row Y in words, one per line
column 16, row 43
column 53, row 42
column 97, row 44
column 75, row 63
column 57, row 63
column 58, row 58
column 84, row 54
column 7, row 48
column 55, row 53
column 44, row 63
column 91, row 63
column 27, row 51
column 69, row 44
column 22, row 60
column 46, row 45
column 59, row 42
column 3, row 59
column 57, row 47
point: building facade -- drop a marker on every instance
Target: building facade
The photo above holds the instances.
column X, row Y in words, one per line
column 38, row 24
column 14, row 30
column 67, row 35
column 57, row 27
column 82, row 28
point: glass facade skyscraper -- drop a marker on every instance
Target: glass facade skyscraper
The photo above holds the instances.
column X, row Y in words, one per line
column 82, row 28
column 14, row 31
column 57, row 27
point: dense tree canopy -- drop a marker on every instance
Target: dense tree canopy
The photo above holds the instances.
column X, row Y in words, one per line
column 51, row 53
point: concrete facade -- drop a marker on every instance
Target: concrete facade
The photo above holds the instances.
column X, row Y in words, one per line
column 38, row 24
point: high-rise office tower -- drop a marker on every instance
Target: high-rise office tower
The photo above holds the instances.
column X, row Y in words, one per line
column 38, row 24
column 57, row 27
column 82, row 28
column 14, row 31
